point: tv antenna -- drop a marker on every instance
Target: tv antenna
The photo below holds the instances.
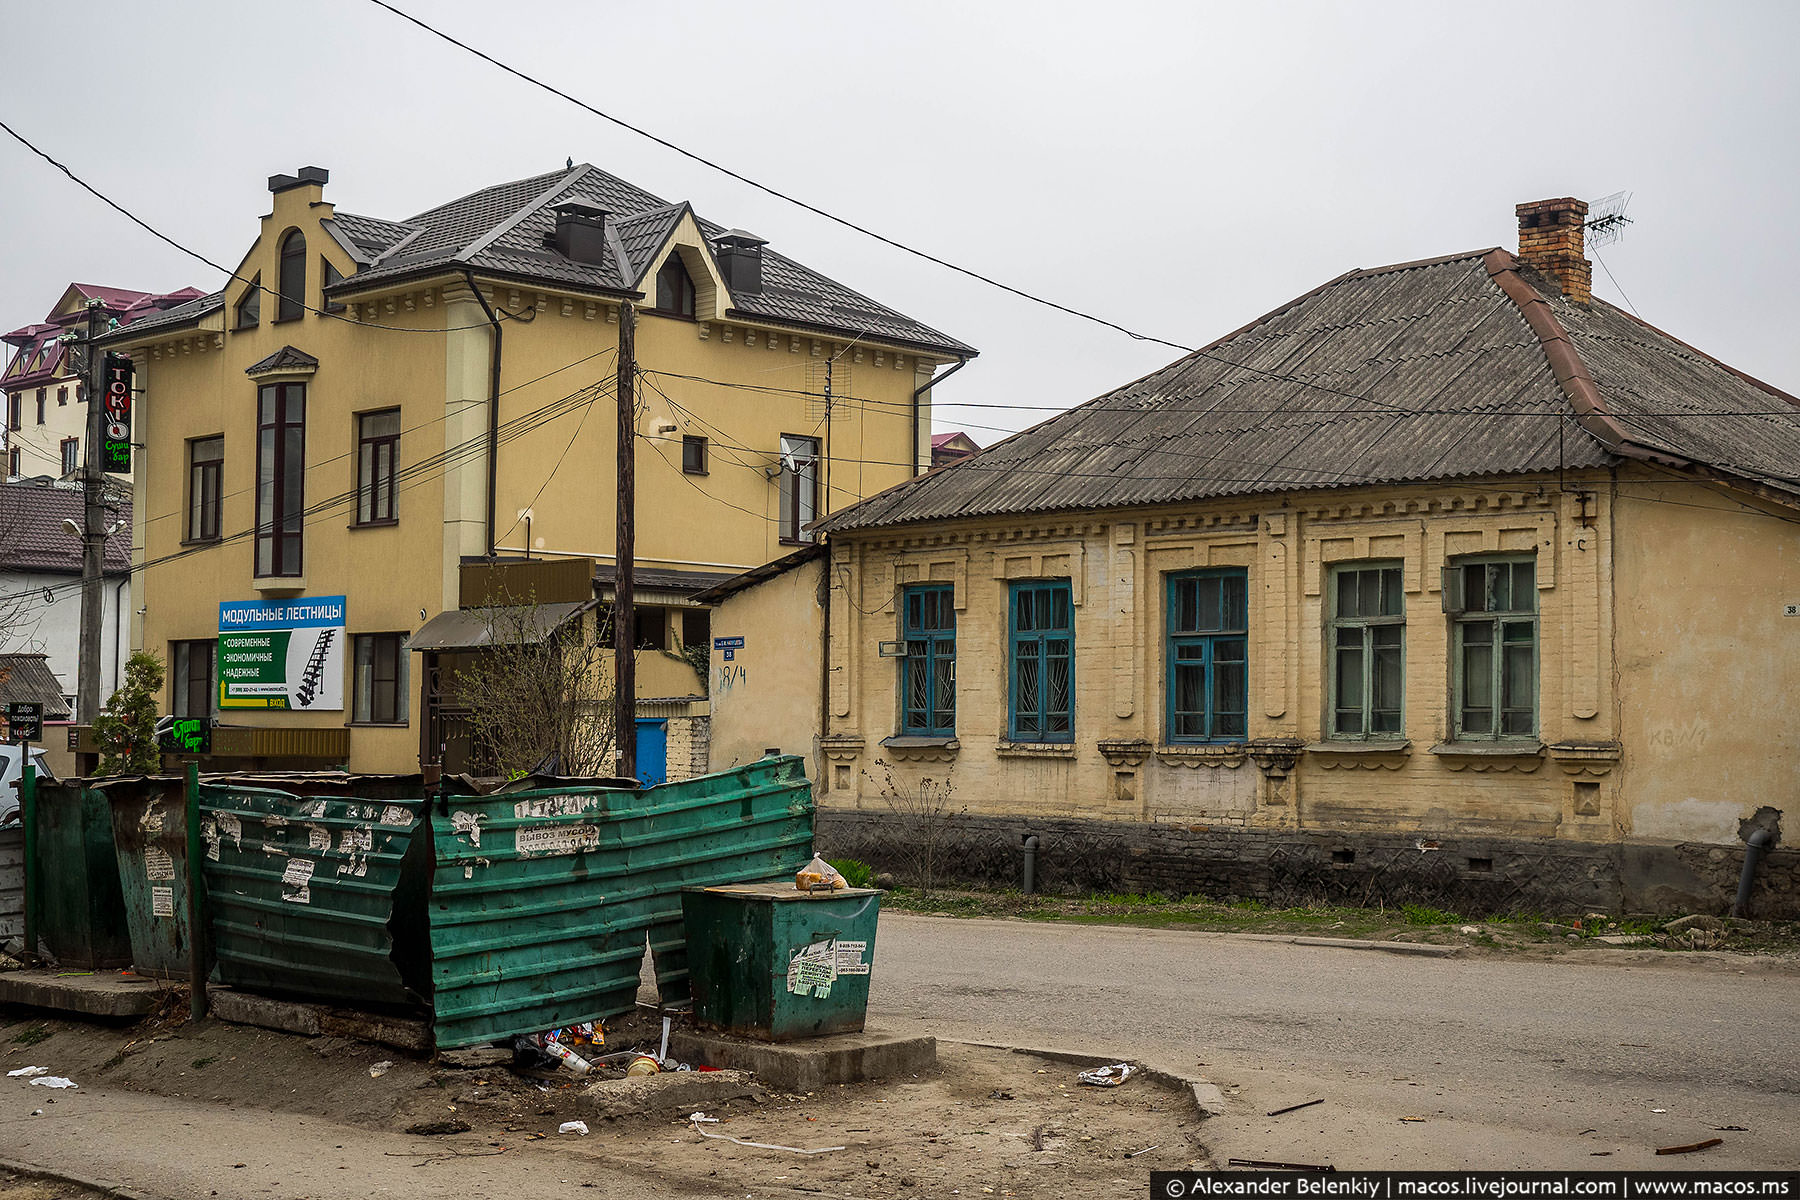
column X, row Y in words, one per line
column 1607, row 220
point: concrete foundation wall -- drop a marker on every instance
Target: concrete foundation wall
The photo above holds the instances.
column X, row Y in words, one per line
column 1465, row 874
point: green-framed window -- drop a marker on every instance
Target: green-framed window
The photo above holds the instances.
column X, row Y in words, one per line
column 1041, row 703
column 1208, row 656
column 928, row 672
column 1493, row 603
column 1366, row 635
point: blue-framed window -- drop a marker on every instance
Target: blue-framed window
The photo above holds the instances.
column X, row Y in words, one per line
column 1041, row 702
column 1208, row 656
column 928, row 672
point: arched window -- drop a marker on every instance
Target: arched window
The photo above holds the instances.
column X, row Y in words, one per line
column 674, row 290
column 293, row 277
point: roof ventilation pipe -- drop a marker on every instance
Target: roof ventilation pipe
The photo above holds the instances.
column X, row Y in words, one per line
column 740, row 256
column 580, row 233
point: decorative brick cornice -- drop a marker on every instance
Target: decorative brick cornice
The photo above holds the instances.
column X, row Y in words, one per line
column 1585, row 758
column 1124, row 752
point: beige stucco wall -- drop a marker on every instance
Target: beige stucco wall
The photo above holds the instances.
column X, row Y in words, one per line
column 560, row 475
column 1707, row 658
column 767, row 696
column 1120, row 763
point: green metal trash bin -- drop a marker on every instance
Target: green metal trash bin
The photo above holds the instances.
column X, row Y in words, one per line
column 770, row 961
column 83, row 919
column 149, row 826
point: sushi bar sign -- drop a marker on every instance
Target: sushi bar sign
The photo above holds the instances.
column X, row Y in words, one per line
column 282, row 654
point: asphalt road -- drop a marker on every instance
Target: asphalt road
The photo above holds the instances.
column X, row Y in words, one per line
column 1512, row 1063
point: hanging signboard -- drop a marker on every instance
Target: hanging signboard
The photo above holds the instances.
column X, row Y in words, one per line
column 115, row 417
column 282, row 654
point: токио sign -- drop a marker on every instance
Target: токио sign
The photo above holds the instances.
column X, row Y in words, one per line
column 282, row 654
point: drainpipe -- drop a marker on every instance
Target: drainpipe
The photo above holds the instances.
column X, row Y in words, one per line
column 919, row 391
column 1755, row 846
column 119, row 617
column 1031, row 849
column 493, row 454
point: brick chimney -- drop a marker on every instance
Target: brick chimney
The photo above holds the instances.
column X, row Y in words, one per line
column 1551, row 241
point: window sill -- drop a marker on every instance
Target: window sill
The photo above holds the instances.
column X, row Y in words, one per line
column 1359, row 748
column 211, row 541
column 798, row 541
column 1034, row 750
column 1367, row 756
column 921, row 749
column 373, row 524
column 378, row 724
column 279, row 583
column 1181, row 754
column 1523, row 757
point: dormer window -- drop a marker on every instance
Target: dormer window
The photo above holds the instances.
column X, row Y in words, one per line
column 249, row 308
column 293, row 277
column 674, row 288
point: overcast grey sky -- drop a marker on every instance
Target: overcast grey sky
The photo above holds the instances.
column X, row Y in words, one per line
column 1178, row 168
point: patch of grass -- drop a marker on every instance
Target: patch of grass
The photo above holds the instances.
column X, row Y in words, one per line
column 33, row 1036
column 1419, row 914
column 856, row 872
column 208, row 1061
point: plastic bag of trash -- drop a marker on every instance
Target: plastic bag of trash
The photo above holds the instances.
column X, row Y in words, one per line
column 818, row 876
column 28, row 1072
column 573, row 1127
column 54, row 1081
column 1111, row 1076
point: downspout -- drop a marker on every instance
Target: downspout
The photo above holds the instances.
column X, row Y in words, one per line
column 825, row 578
column 920, row 391
column 119, row 616
column 1755, row 846
column 493, row 454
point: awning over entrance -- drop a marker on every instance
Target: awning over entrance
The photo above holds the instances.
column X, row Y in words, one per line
column 476, row 628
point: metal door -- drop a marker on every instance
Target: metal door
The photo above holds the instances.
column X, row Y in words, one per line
column 652, row 752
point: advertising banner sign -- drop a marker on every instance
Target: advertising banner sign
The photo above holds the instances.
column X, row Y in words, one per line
column 282, row 654
column 115, row 417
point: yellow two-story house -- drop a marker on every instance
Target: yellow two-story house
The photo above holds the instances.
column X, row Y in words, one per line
column 368, row 406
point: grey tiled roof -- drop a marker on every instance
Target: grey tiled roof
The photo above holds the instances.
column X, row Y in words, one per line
column 367, row 238
column 641, row 235
column 1423, row 371
column 32, row 537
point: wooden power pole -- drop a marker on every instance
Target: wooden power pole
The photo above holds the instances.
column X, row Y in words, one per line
column 624, row 568
column 93, row 533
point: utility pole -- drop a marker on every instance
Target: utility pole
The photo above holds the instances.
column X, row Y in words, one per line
column 624, row 551
column 93, row 533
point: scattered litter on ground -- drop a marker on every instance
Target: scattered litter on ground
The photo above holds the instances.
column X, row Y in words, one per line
column 1140, row 1153
column 28, row 1072
column 573, row 1127
column 998, row 1094
column 1297, row 1107
column 1111, row 1076
column 1469, row 929
column 437, row 1128
column 726, row 1137
column 643, row 1064
column 702, row 1117
column 1732, row 1128
column 1585, row 1132
column 1412, row 1118
column 1262, row 1165
column 54, row 1081
column 381, row 1068
column 1708, row 1144
column 37, row 1112
column 1659, row 1110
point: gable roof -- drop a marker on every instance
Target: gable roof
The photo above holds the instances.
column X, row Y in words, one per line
column 32, row 537
column 285, row 359
column 1441, row 369
column 28, row 678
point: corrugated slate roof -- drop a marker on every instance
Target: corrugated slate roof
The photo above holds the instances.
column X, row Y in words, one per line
column 32, row 537
column 28, row 678
column 1421, row 371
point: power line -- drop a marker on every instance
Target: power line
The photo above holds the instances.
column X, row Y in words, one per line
column 255, row 282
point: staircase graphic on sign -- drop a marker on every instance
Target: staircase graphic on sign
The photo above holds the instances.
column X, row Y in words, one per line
column 315, row 669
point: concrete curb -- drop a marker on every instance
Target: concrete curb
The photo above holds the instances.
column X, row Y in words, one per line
column 103, row 1186
column 1209, row 1101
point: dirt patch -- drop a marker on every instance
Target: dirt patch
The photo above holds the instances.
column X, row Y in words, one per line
column 24, row 1187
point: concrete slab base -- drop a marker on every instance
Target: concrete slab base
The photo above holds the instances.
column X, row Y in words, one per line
column 101, row 994
column 809, row 1065
column 317, row 1020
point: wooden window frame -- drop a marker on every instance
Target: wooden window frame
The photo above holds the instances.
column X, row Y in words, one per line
column 930, row 661
column 206, row 491
column 290, row 291
column 1363, row 627
column 1202, row 647
column 387, row 697
column 182, row 678
column 275, row 524
column 70, row 448
column 793, row 526
column 1497, row 624
column 1037, row 645
column 694, row 464
column 377, row 472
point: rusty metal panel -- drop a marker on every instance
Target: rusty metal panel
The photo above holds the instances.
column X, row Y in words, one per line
column 541, row 581
column 149, row 823
column 330, row 745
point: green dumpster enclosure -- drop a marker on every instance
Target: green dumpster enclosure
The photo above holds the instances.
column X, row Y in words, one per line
column 770, row 961
column 83, row 919
column 149, row 833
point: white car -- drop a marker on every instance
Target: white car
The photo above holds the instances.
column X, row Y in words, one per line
column 11, row 756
